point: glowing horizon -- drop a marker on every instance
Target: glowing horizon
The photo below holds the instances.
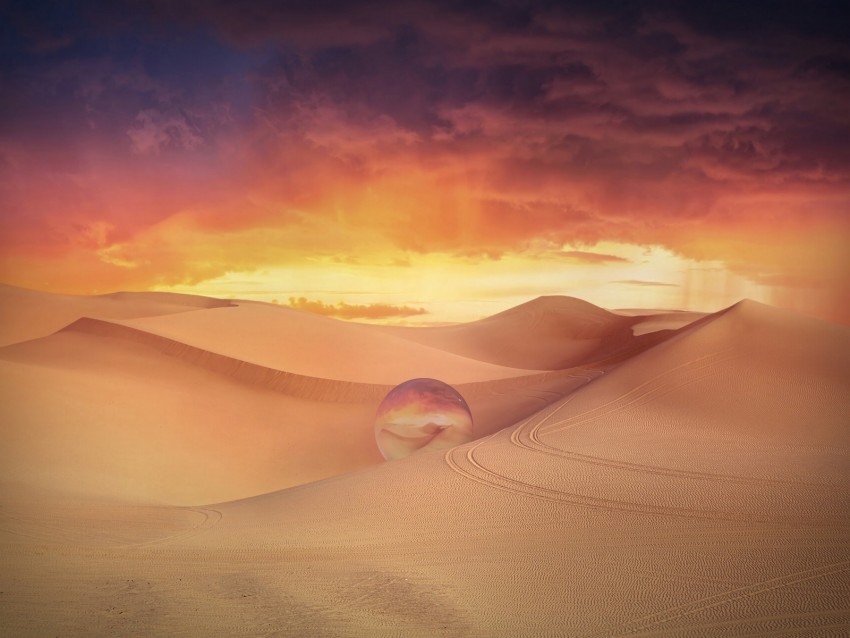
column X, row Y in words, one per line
column 425, row 164
column 660, row 280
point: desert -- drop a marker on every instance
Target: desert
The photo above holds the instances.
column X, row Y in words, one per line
column 425, row 318
column 159, row 478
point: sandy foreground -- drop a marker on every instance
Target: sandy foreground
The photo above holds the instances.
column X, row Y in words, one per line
column 174, row 465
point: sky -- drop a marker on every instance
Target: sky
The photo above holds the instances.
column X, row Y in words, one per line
column 428, row 162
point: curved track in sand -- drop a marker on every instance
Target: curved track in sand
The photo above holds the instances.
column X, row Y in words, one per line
column 641, row 626
column 49, row 528
column 542, row 436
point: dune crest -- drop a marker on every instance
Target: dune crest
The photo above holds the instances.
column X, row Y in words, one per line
column 317, row 346
column 282, row 381
column 153, row 401
column 566, row 332
column 681, row 487
column 30, row 314
column 688, row 482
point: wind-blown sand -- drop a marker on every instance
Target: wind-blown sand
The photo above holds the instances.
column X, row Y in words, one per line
column 561, row 331
column 28, row 314
column 693, row 484
column 312, row 345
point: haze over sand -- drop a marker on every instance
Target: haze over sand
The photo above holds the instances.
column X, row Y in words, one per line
column 632, row 474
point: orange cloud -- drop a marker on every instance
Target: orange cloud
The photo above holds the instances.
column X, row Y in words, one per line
column 340, row 135
column 354, row 311
column 592, row 258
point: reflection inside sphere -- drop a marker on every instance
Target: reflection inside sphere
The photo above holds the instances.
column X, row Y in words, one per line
column 421, row 415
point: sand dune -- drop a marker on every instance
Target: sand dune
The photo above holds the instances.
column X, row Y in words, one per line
column 647, row 321
column 697, row 485
column 28, row 314
column 312, row 345
column 619, row 510
column 106, row 408
column 131, row 422
column 566, row 332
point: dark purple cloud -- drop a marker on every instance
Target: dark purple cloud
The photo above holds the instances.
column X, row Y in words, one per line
column 704, row 127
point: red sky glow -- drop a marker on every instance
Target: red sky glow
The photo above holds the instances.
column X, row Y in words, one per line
column 423, row 162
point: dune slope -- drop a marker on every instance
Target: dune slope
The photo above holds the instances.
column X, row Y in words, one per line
column 699, row 488
column 28, row 314
column 318, row 346
column 562, row 332
column 106, row 408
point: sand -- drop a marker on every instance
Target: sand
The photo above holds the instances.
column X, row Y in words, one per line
column 28, row 314
column 566, row 332
column 313, row 345
column 693, row 484
column 647, row 321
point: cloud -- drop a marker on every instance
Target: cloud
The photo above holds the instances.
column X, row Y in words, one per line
column 333, row 128
column 354, row 311
column 153, row 132
column 592, row 258
column 638, row 282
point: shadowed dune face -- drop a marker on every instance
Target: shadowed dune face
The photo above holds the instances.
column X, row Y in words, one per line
column 185, row 400
column 556, row 333
column 421, row 414
column 317, row 346
column 29, row 314
column 696, row 483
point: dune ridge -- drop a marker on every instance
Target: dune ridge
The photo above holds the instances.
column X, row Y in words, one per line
column 689, row 501
column 297, row 385
column 153, row 401
column 729, row 342
column 170, row 298
column 694, row 482
column 30, row 314
column 301, row 386
column 647, row 321
column 318, row 346
column 567, row 332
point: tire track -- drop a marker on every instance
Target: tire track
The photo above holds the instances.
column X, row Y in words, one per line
column 493, row 479
column 529, row 438
column 707, row 362
column 536, row 445
column 737, row 624
column 462, row 461
column 732, row 595
column 55, row 533
column 211, row 518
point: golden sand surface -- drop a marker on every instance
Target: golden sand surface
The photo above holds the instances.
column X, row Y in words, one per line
column 164, row 473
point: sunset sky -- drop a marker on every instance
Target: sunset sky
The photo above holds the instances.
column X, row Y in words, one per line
column 423, row 162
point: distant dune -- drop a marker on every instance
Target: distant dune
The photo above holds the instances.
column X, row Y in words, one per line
column 28, row 314
column 687, row 478
column 295, row 393
column 647, row 321
column 562, row 331
column 313, row 345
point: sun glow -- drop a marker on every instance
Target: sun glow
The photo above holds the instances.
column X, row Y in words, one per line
column 456, row 289
column 426, row 168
